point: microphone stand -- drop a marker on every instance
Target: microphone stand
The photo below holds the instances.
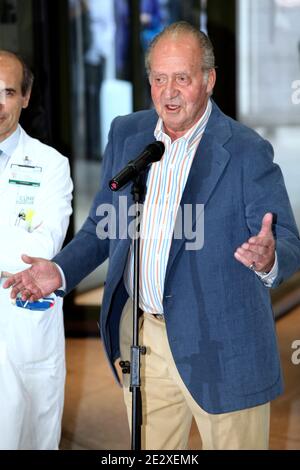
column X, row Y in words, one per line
column 135, row 170
column 137, row 191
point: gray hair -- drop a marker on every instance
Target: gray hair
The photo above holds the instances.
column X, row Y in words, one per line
column 184, row 28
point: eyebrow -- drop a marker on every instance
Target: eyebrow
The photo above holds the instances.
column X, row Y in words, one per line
column 180, row 72
column 8, row 89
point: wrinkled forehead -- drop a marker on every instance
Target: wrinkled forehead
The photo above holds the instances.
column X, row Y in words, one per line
column 183, row 49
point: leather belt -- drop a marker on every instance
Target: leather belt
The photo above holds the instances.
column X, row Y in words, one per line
column 159, row 316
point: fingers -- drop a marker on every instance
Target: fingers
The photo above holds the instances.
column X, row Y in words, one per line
column 24, row 295
column 5, row 274
column 265, row 242
column 28, row 259
column 262, row 258
column 259, row 250
column 16, row 288
column 9, row 282
column 256, row 248
column 266, row 226
column 265, row 237
column 28, row 292
column 241, row 258
column 25, row 286
column 248, row 258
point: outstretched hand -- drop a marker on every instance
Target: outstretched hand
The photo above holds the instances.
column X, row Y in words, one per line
column 258, row 252
column 38, row 281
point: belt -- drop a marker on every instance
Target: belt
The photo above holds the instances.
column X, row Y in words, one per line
column 158, row 316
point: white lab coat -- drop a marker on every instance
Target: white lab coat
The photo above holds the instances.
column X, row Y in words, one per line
column 32, row 348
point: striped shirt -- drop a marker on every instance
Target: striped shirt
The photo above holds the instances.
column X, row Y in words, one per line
column 165, row 185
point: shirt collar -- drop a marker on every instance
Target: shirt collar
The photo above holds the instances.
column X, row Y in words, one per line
column 191, row 135
column 9, row 145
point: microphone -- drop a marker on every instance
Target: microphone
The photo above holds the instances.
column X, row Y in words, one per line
column 152, row 153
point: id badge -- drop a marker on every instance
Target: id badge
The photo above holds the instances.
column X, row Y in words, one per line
column 27, row 180
column 25, row 175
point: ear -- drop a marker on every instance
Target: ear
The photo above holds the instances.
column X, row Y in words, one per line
column 211, row 81
column 26, row 99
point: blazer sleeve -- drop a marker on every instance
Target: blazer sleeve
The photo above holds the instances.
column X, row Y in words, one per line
column 86, row 251
column 265, row 191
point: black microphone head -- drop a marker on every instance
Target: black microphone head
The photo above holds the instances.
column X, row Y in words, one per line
column 156, row 151
column 152, row 153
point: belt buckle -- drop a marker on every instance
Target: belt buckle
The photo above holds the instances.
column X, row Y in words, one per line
column 159, row 316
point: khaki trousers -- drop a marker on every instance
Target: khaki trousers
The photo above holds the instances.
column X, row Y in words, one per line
column 168, row 407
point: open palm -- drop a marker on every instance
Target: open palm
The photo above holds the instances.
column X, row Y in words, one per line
column 40, row 280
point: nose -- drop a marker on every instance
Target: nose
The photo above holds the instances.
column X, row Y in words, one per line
column 2, row 94
column 171, row 90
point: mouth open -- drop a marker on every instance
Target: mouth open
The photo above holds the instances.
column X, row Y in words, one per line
column 172, row 107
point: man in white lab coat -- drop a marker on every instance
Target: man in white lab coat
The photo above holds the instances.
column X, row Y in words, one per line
column 35, row 206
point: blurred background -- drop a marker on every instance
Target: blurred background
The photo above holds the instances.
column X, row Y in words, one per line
column 88, row 60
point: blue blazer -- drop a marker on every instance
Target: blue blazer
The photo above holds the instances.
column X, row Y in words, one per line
column 218, row 313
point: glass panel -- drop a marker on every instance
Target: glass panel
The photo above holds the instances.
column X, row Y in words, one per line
column 155, row 15
column 101, row 67
column 269, row 89
column 16, row 27
column 269, row 81
column 101, row 90
column 16, row 35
